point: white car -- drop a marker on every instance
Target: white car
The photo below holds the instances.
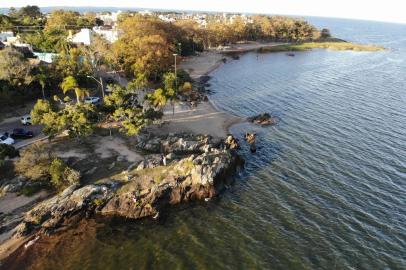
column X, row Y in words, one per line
column 26, row 120
column 6, row 140
column 92, row 100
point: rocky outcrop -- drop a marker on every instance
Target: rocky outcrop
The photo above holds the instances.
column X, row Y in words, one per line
column 193, row 178
column 180, row 144
column 264, row 119
column 200, row 169
column 73, row 201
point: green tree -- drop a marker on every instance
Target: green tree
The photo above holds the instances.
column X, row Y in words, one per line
column 14, row 68
column 171, row 88
column 62, row 175
column 77, row 119
column 140, row 82
column 70, row 84
column 158, row 98
column 42, row 79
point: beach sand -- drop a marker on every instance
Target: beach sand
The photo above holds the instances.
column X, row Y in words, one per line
column 202, row 119
column 205, row 118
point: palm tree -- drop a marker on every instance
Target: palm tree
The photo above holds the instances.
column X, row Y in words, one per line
column 42, row 80
column 70, row 83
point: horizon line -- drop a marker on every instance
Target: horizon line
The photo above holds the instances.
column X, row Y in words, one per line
column 125, row 8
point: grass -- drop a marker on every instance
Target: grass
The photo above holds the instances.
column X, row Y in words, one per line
column 335, row 46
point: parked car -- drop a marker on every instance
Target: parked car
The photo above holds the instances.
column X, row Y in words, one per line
column 92, row 100
column 108, row 89
column 26, row 120
column 20, row 133
column 4, row 138
column 109, row 80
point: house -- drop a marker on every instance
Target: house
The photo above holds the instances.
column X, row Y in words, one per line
column 166, row 18
column 16, row 43
column 46, row 57
column 108, row 32
column 84, row 37
column 109, row 18
column 5, row 35
column 145, row 13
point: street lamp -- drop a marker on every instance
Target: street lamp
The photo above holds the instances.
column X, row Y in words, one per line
column 175, row 54
column 99, row 82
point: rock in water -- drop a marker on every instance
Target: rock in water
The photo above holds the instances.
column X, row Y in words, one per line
column 263, row 119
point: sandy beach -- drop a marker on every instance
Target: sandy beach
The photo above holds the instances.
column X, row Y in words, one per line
column 204, row 118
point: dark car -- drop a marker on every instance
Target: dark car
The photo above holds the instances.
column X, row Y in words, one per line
column 20, row 133
column 109, row 80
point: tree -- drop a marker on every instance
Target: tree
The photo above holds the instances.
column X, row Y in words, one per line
column 171, row 88
column 70, row 84
column 14, row 68
column 44, row 114
column 29, row 11
column 145, row 47
column 42, row 78
column 77, row 119
column 158, row 98
column 66, row 19
column 140, row 82
column 124, row 106
column 6, row 23
column 62, row 175
column 325, row 33
column 73, row 62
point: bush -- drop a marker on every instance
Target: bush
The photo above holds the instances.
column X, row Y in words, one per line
column 62, row 175
column 56, row 170
column 187, row 88
column 7, row 151
column 34, row 162
column 38, row 163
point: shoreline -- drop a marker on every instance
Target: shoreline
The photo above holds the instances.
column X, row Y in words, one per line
column 202, row 65
column 206, row 118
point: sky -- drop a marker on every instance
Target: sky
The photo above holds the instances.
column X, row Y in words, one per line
column 379, row 10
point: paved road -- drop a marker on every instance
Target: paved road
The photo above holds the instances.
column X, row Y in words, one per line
column 9, row 124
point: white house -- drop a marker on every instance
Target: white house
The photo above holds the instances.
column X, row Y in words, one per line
column 109, row 18
column 5, row 35
column 15, row 41
column 84, row 37
column 110, row 34
column 166, row 18
column 46, row 57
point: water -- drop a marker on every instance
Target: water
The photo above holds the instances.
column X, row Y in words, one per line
column 326, row 189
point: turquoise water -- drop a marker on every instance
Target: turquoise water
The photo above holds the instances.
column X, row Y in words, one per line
column 326, row 189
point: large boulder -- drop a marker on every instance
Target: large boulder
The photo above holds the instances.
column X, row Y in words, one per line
column 192, row 178
column 264, row 119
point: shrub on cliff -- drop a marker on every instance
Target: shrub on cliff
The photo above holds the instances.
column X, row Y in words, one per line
column 62, row 175
column 39, row 163
column 34, row 162
column 7, row 151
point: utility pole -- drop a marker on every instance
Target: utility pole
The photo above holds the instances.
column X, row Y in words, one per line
column 99, row 82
